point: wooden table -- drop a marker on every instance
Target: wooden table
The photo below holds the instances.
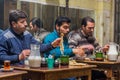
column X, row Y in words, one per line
column 110, row 67
column 14, row 75
column 57, row 73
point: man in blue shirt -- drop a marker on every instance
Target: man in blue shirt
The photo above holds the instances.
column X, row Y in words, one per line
column 62, row 25
column 15, row 41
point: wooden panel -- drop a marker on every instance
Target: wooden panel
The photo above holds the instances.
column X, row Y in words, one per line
column 117, row 22
column 49, row 16
column 1, row 14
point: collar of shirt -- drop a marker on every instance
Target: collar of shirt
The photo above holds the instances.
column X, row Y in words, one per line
column 83, row 34
column 21, row 36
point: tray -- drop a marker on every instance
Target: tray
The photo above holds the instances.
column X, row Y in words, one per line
column 6, row 70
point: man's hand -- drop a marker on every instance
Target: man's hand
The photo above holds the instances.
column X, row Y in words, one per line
column 105, row 48
column 24, row 54
column 89, row 47
column 56, row 42
column 79, row 51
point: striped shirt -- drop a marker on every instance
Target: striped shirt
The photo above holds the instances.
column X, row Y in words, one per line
column 77, row 39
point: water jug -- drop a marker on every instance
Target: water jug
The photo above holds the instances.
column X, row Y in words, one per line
column 34, row 59
column 113, row 51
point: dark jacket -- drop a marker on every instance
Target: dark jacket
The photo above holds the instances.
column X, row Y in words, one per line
column 12, row 44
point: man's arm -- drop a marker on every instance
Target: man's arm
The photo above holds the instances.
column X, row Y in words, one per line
column 73, row 40
column 4, row 52
column 97, row 47
column 56, row 51
column 47, row 46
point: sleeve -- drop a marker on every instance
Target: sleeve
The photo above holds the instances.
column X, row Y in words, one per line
column 4, row 52
column 43, row 47
column 46, row 47
column 73, row 40
column 97, row 46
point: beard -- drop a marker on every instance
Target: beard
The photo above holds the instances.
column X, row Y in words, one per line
column 87, row 33
column 90, row 34
column 91, row 39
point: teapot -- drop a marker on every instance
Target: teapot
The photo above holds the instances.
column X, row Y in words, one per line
column 34, row 59
column 113, row 51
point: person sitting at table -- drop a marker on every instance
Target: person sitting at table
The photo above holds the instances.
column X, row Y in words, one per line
column 84, row 38
column 62, row 25
column 15, row 41
column 37, row 29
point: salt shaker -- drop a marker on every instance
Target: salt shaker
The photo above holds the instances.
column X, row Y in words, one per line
column 43, row 62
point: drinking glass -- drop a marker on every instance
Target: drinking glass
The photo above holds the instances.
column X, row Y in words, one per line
column 7, row 64
column 64, row 60
column 50, row 63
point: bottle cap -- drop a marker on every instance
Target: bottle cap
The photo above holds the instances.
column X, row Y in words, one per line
column 50, row 56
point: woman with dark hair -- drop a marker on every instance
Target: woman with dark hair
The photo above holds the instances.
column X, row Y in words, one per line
column 37, row 29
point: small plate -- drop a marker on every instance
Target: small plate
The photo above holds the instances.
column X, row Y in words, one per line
column 6, row 70
column 74, row 63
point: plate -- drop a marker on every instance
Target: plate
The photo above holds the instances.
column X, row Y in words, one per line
column 6, row 70
column 78, row 64
column 74, row 63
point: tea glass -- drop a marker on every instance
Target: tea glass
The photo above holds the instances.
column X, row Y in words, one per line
column 7, row 65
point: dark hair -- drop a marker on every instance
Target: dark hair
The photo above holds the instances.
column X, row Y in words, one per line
column 62, row 19
column 36, row 21
column 86, row 19
column 15, row 15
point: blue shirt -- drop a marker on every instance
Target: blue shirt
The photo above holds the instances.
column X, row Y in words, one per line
column 56, row 52
column 12, row 44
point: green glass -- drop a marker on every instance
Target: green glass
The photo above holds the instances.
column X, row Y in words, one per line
column 99, row 56
column 50, row 62
column 64, row 60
